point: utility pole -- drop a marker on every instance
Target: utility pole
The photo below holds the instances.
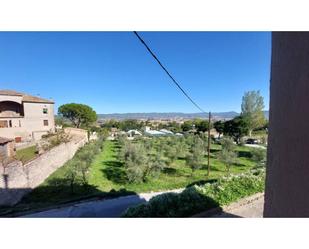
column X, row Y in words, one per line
column 209, row 126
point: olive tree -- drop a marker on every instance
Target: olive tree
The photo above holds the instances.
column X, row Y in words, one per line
column 195, row 158
column 259, row 156
column 138, row 164
column 228, row 155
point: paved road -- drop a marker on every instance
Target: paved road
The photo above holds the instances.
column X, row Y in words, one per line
column 100, row 208
column 256, row 146
column 250, row 207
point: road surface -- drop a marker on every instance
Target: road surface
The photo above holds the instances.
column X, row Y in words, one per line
column 99, row 208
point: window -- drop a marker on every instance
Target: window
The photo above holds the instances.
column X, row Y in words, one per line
column 10, row 123
column 4, row 124
column 45, row 110
column 45, row 122
column 19, row 123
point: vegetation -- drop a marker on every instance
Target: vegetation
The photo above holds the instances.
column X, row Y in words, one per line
column 236, row 128
column 125, row 125
column 51, row 140
column 219, row 126
column 196, row 199
column 252, row 110
column 107, row 175
column 27, row 154
column 259, row 156
column 195, row 159
column 78, row 114
column 227, row 154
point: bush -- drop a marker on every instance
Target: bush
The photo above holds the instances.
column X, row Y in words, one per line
column 259, row 156
column 173, row 205
column 197, row 199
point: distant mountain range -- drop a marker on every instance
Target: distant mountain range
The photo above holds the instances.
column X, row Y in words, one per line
column 171, row 115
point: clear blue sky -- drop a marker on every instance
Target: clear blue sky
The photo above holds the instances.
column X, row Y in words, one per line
column 113, row 72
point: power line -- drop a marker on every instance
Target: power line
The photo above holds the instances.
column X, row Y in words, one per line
column 172, row 78
column 184, row 92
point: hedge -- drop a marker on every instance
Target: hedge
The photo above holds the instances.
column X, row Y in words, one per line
column 197, row 199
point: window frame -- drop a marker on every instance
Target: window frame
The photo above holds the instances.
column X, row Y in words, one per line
column 45, row 122
column 5, row 126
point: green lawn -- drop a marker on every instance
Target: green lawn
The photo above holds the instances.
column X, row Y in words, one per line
column 107, row 178
column 27, row 154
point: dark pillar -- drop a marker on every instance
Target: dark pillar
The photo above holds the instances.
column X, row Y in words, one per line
column 287, row 180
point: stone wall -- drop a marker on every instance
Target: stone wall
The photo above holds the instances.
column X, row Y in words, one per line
column 16, row 179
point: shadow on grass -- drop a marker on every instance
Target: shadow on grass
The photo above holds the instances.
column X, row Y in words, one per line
column 246, row 154
column 114, row 172
column 214, row 150
column 169, row 171
column 201, row 182
column 212, row 168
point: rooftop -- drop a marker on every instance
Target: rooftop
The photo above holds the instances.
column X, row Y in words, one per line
column 25, row 97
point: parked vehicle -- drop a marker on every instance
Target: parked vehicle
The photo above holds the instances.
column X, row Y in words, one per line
column 252, row 141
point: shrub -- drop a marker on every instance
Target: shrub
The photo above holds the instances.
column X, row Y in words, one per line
column 173, row 205
column 259, row 156
column 197, row 199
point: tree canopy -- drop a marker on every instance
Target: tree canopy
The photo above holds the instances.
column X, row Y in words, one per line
column 219, row 126
column 236, row 128
column 78, row 114
column 201, row 125
column 252, row 109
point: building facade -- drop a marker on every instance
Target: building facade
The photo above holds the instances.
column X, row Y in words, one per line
column 24, row 117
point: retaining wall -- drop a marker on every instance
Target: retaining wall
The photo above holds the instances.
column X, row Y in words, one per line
column 16, row 179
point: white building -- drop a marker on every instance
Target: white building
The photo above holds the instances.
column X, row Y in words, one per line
column 133, row 133
column 167, row 132
column 24, row 117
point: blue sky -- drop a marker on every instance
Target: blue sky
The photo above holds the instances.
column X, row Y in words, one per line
column 113, row 72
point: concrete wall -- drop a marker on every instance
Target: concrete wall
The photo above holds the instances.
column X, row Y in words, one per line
column 16, row 179
column 7, row 150
column 287, row 179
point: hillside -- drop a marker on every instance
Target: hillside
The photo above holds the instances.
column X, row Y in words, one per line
column 170, row 115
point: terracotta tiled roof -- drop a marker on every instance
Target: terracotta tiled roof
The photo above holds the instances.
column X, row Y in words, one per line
column 4, row 140
column 26, row 97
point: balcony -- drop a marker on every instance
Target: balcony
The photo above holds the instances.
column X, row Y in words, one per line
column 10, row 109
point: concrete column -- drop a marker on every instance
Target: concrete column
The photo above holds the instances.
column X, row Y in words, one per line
column 287, row 180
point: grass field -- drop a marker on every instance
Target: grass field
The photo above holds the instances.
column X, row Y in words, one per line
column 107, row 178
column 107, row 173
column 27, row 154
